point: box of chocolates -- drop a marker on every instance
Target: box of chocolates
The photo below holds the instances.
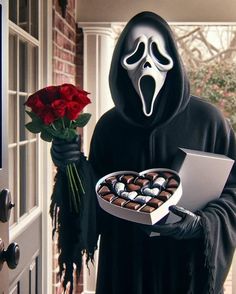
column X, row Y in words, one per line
column 142, row 197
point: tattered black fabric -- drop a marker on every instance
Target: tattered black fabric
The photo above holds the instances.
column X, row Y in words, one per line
column 75, row 231
column 130, row 262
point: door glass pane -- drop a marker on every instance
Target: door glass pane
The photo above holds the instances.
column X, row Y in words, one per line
column 12, row 62
column 34, row 18
column 13, row 181
column 27, row 177
column 12, row 118
column 31, row 170
column 24, row 15
column 23, row 65
column 33, row 69
column 13, row 10
column 23, row 179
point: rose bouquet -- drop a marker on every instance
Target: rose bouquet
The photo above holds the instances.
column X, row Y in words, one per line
column 56, row 113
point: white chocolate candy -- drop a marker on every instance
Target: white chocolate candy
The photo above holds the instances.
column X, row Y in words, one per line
column 119, row 187
column 159, row 182
column 151, row 192
column 142, row 199
column 129, row 195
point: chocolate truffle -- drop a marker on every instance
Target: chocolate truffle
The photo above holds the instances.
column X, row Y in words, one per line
column 129, row 195
column 142, row 199
column 172, row 183
column 119, row 201
column 151, row 192
column 104, row 190
column 147, row 209
column 132, row 205
column 111, row 180
column 159, row 182
column 155, row 202
column 133, row 187
column 141, row 182
column 119, row 187
column 151, row 176
column 109, row 197
column 164, row 195
column 127, row 178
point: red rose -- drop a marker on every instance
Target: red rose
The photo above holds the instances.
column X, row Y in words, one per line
column 59, row 107
column 73, row 110
column 35, row 103
column 47, row 115
column 68, row 91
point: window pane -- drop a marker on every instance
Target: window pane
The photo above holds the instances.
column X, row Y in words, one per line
column 13, row 181
column 24, row 15
column 13, row 10
column 34, row 18
column 12, row 62
column 12, row 117
column 23, row 66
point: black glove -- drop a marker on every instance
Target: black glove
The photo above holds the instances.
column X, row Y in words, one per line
column 187, row 228
column 64, row 152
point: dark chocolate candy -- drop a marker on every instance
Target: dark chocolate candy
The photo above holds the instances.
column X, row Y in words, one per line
column 109, row 197
column 104, row 190
column 133, row 187
column 167, row 175
column 172, row 183
column 147, row 209
column 111, row 180
column 142, row 182
column 155, row 202
column 164, row 195
column 151, row 176
column 171, row 190
column 132, row 205
column 119, row 201
column 127, row 178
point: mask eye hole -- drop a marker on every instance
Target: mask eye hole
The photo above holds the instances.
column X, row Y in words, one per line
column 159, row 57
column 136, row 56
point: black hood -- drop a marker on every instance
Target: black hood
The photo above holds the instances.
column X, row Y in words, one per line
column 173, row 96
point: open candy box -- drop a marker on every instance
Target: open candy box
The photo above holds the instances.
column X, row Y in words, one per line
column 142, row 197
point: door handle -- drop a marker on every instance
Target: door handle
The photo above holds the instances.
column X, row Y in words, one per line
column 11, row 255
column 5, row 205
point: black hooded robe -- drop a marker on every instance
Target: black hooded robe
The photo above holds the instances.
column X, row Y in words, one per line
column 130, row 262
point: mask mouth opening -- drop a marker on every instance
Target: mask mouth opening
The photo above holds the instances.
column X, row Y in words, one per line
column 147, row 88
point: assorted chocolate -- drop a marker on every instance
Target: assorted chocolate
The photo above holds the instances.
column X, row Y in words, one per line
column 145, row 193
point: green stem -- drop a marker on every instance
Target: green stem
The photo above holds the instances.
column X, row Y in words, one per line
column 78, row 177
column 53, row 126
column 70, row 191
column 74, row 182
column 63, row 123
column 71, row 186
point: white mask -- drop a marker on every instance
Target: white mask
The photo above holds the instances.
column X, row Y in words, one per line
column 147, row 63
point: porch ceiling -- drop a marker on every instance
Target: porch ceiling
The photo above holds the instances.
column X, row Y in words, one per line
column 178, row 10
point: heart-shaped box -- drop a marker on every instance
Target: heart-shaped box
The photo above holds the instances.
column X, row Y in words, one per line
column 142, row 197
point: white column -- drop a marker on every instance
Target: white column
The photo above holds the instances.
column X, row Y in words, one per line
column 99, row 39
column 98, row 49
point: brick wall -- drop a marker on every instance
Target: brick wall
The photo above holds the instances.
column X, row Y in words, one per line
column 67, row 68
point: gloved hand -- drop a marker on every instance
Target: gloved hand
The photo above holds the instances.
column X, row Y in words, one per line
column 188, row 227
column 64, row 152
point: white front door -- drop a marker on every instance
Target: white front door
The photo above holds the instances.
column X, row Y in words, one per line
column 22, row 152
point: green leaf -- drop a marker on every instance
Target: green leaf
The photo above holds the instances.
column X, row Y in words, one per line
column 45, row 136
column 82, row 120
column 34, row 127
column 33, row 115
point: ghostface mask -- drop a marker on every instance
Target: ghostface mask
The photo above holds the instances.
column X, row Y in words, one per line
column 147, row 62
